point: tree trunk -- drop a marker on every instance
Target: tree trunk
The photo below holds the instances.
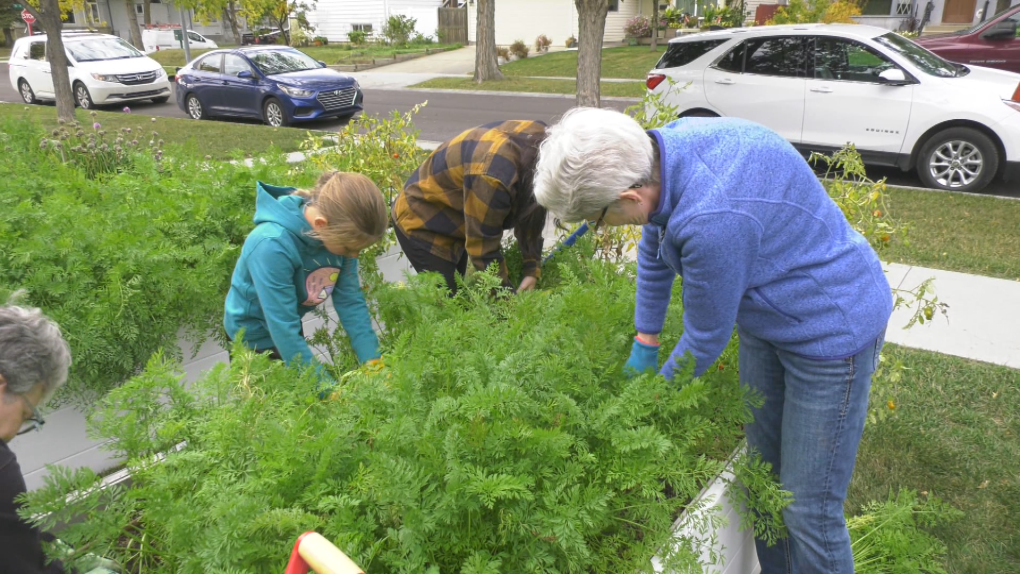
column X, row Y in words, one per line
column 8, row 38
column 591, row 28
column 655, row 25
column 133, row 29
column 230, row 15
column 48, row 16
column 147, row 12
column 486, row 59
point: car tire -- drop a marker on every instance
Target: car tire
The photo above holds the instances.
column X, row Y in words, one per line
column 274, row 115
column 196, row 110
column 699, row 114
column 162, row 100
column 958, row 159
column 82, row 97
column 27, row 94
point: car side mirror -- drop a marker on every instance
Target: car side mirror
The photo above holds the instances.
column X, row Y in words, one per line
column 245, row 75
column 894, row 77
column 1001, row 30
column 322, row 64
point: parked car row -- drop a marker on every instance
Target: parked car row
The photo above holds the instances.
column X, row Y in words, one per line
column 822, row 86
column 276, row 84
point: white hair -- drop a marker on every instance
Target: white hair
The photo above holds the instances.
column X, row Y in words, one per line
column 589, row 158
column 32, row 350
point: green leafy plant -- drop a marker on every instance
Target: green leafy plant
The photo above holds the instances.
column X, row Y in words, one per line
column 519, row 49
column 357, row 37
column 399, row 29
column 128, row 261
column 811, row 11
column 95, row 152
column 894, row 537
column 516, row 444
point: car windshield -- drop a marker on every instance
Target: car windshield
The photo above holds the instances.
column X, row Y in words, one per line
column 99, row 49
column 922, row 59
column 271, row 62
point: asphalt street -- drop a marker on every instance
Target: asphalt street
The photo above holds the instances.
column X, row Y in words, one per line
column 448, row 114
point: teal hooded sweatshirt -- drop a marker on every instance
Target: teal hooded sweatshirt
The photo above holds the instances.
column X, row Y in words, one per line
column 283, row 273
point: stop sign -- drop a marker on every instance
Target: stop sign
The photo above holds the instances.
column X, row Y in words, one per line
column 27, row 17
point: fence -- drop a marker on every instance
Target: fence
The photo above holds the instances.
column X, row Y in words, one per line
column 453, row 25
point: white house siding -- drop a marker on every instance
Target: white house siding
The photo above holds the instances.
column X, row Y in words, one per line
column 557, row 19
column 334, row 19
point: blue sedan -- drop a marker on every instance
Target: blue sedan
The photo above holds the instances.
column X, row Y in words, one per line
column 276, row 84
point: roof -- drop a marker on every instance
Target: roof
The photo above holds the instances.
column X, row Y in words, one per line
column 846, row 30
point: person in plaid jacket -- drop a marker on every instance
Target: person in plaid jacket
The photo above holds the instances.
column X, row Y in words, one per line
column 471, row 189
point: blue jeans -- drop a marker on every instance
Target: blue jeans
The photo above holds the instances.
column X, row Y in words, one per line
column 808, row 429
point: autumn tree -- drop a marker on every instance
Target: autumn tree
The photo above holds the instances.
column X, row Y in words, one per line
column 486, row 62
column 278, row 12
column 591, row 28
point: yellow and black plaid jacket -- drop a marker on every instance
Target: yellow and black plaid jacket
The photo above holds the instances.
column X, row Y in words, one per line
column 465, row 195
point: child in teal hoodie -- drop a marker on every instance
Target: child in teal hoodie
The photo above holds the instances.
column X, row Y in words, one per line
column 303, row 249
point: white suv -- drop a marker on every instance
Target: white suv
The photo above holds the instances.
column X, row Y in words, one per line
column 821, row 86
column 104, row 69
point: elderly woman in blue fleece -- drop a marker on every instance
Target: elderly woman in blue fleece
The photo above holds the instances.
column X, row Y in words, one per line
column 734, row 210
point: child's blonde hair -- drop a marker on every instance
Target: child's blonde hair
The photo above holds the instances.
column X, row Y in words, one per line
column 353, row 206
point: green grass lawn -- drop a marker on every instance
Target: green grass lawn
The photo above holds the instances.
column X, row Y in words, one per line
column 511, row 84
column 213, row 138
column 957, row 232
column 333, row 54
column 630, row 62
column 955, row 434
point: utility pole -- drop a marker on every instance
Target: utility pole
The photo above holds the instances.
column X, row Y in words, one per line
column 184, row 37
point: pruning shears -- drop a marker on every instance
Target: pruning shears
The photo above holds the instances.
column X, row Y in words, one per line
column 568, row 242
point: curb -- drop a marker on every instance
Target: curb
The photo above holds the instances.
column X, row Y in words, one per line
column 516, row 94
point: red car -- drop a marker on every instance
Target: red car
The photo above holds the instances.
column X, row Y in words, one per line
column 994, row 43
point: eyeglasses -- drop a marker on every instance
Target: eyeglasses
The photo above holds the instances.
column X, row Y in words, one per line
column 34, row 422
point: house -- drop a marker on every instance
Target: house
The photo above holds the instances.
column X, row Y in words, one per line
column 110, row 16
column 334, row 19
column 946, row 15
column 557, row 19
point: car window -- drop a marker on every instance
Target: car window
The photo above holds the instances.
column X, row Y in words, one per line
column 210, row 64
column 282, row 61
column 234, row 65
column 848, row 61
column 923, row 59
column 683, row 53
column 1015, row 18
column 195, row 37
column 37, row 51
column 767, row 56
column 102, row 49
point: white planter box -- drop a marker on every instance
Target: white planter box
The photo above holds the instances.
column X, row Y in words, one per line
column 724, row 549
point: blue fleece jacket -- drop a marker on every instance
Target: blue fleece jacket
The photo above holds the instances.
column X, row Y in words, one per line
column 283, row 273
column 758, row 242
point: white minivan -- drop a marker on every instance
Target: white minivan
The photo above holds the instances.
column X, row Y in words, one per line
column 172, row 39
column 103, row 69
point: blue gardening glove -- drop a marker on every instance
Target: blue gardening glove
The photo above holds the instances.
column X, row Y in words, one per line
column 644, row 358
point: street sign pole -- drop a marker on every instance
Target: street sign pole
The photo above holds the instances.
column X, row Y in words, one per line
column 184, row 38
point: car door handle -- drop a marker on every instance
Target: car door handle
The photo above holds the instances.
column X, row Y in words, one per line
column 226, row 83
column 822, row 90
column 725, row 81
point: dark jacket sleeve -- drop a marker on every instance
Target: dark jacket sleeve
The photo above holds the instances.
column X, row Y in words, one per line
column 20, row 543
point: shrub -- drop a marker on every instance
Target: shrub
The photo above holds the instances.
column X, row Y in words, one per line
column 503, row 52
column 357, row 37
column 321, row 41
column 422, row 40
column 542, row 43
column 519, row 49
column 638, row 27
column 515, row 445
column 811, row 11
column 398, row 29
column 571, row 42
column 87, row 148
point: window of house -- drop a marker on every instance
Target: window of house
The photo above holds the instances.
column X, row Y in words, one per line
column 879, row 8
column 70, row 19
column 139, row 9
column 683, row 53
column 614, row 5
column 92, row 11
column 367, row 28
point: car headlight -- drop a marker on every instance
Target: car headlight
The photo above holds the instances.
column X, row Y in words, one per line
column 357, row 86
column 105, row 78
column 161, row 73
column 295, row 92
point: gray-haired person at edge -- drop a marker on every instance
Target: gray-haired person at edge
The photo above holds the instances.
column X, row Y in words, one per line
column 736, row 212
column 34, row 359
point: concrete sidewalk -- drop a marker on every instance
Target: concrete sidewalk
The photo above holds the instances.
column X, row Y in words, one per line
column 983, row 321
column 460, row 62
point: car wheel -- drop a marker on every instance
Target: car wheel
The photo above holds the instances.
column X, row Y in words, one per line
column 195, row 109
column 26, row 92
column 273, row 114
column 82, row 96
column 162, row 100
column 958, row 159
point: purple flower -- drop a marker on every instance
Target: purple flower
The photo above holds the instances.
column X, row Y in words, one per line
column 96, row 126
column 127, row 110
